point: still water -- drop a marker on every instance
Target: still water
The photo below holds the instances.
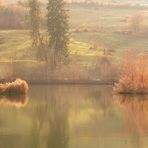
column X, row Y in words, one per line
column 74, row 117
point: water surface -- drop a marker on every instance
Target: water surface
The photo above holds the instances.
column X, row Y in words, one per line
column 74, row 117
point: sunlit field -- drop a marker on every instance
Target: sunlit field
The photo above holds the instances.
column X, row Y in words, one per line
column 90, row 27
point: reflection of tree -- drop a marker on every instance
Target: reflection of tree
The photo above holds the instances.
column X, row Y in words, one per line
column 135, row 111
column 38, row 120
column 101, row 98
column 50, row 123
column 35, row 136
column 58, row 122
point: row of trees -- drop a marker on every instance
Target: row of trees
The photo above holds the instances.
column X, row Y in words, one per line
column 53, row 47
column 12, row 16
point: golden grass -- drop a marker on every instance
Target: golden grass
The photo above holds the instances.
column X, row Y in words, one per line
column 17, row 87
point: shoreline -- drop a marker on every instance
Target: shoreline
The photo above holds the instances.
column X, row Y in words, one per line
column 70, row 82
column 60, row 82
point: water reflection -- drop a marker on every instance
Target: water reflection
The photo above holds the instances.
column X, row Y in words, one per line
column 66, row 112
column 58, row 124
column 101, row 98
column 135, row 109
column 50, row 119
column 14, row 100
column 75, row 117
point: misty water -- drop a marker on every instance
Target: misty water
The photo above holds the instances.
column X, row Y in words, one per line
column 76, row 116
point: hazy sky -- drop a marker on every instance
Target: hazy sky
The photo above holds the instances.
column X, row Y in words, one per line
column 123, row 1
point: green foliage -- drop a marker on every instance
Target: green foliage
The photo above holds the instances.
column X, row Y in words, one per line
column 12, row 16
column 58, row 29
column 34, row 21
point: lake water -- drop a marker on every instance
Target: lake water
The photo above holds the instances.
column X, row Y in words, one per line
column 74, row 117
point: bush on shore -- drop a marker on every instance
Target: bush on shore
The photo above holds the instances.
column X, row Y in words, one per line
column 134, row 75
column 17, row 87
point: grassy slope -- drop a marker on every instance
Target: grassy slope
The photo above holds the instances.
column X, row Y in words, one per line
column 17, row 45
column 14, row 43
column 110, row 21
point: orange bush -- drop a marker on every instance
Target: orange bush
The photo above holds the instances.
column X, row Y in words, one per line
column 17, row 87
column 134, row 75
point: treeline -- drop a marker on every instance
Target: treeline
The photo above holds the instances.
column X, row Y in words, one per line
column 52, row 47
column 16, row 15
column 109, row 5
column 13, row 16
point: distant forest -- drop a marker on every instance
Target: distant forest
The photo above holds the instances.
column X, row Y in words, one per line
column 15, row 15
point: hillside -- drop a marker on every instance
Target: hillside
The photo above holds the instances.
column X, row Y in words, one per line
column 102, row 27
column 95, row 33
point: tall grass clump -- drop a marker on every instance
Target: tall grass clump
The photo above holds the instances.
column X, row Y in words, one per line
column 17, row 87
column 134, row 75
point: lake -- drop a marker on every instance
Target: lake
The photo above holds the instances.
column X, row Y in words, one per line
column 74, row 116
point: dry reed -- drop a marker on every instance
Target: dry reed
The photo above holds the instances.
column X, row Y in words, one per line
column 134, row 75
column 17, row 87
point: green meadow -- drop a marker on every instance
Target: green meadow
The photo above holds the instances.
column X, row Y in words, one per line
column 93, row 30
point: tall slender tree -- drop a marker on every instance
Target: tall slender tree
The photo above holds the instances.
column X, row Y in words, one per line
column 58, row 30
column 34, row 12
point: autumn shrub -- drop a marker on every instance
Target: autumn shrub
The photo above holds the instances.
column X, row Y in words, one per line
column 134, row 75
column 17, row 87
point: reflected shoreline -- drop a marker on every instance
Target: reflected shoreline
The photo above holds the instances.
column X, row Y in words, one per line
column 14, row 100
column 135, row 111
